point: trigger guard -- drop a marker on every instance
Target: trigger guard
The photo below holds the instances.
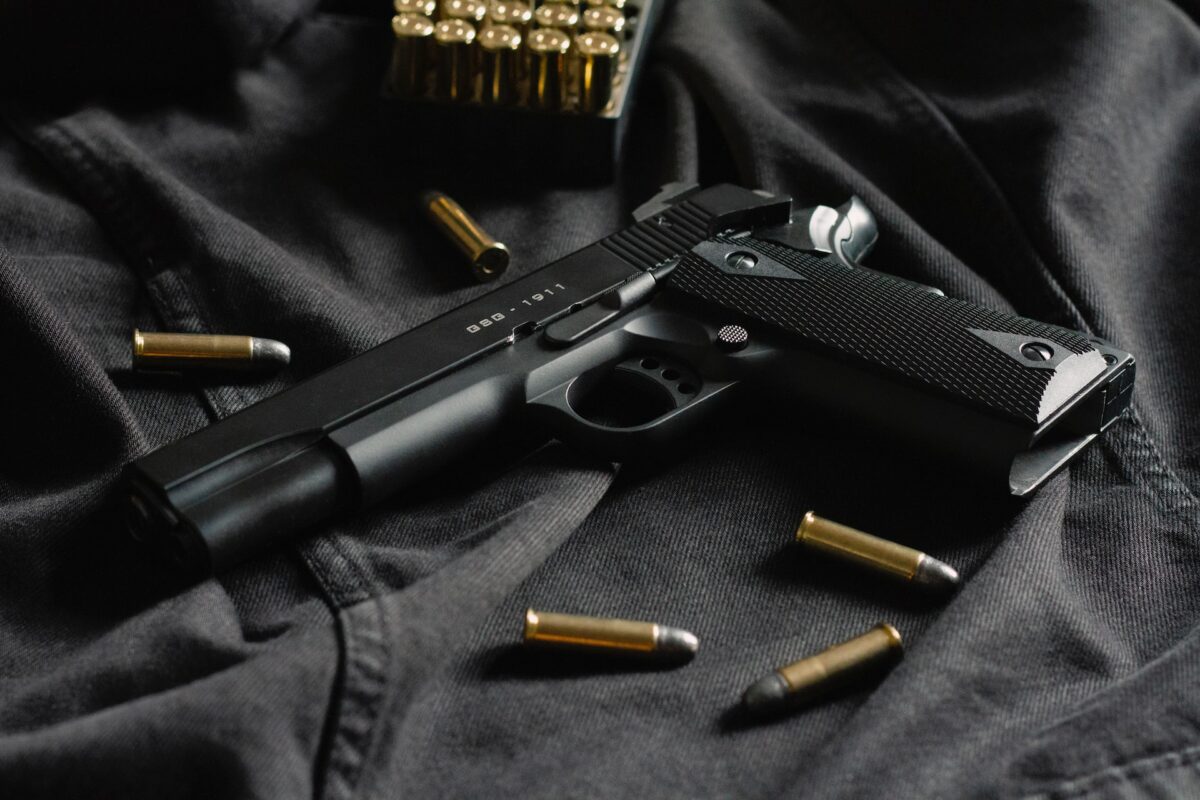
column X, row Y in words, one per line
column 553, row 410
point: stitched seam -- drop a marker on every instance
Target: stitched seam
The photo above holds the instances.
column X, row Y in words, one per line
column 62, row 149
column 362, row 668
column 365, row 653
column 1160, row 474
column 1141, row 768
column 357, row 698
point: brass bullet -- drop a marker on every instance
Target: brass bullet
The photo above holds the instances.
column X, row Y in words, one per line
column 472, row 11
column 618, row 4
column 603, row 634
column 410, row 53
column 455, row 42
column 560, row 16
column 489, row 258
column 872, row 552
column 604, row 19
column 597, row 53
column 548, row 68
column 500, row 50
column 812, row 679
column 181, row 351
column 423, row 7
column 514, row 14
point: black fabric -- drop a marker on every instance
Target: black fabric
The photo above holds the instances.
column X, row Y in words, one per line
column 1036, row 157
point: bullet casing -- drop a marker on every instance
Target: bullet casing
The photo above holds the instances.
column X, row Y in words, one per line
column 816, row 677
column 175, row 351
column 813, row 677
column 410, row 53
column 489, row 258
column 548, row 50
column 618, row 4
column 500, row 50
column 455, row 45
column 516, row 15
column 875, row 553
column 607, row 634
column 598, row 55
column 620, row 634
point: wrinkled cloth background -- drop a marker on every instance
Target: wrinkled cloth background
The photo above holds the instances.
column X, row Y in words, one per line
column 212, row 166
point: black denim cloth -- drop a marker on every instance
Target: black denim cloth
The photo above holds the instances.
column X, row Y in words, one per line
column 226, row 167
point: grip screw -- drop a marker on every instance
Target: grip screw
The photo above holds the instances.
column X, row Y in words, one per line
column 740, row 259
column 1037, row 351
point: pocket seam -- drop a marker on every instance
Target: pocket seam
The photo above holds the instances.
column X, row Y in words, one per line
column 1140, row 768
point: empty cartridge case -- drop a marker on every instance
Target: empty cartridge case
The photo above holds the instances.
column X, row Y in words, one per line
column 472, row 11
column 597, row 54
column 410, row 53
column 489, row 258
column 181, row 351
column 604, row 19
column 602, row 634
column 872, row 552
column 561, row 16
column 455, row 40
column 499, row 52
column 423, row 7
column 548, row 68
column 839, row 667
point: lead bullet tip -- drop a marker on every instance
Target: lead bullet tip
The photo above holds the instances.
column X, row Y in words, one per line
column 934, row 574
column 676, row 641
column 765, row 695
column 269, row 351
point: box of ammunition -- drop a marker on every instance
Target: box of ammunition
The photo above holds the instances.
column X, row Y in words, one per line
column 549, row 84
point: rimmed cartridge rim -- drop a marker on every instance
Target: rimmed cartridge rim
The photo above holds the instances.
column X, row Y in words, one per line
column 802, row 529
column 897, row 641
column 531, row 624
column 491, row 262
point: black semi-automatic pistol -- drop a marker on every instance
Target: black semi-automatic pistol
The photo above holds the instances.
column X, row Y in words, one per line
column 621, row 347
